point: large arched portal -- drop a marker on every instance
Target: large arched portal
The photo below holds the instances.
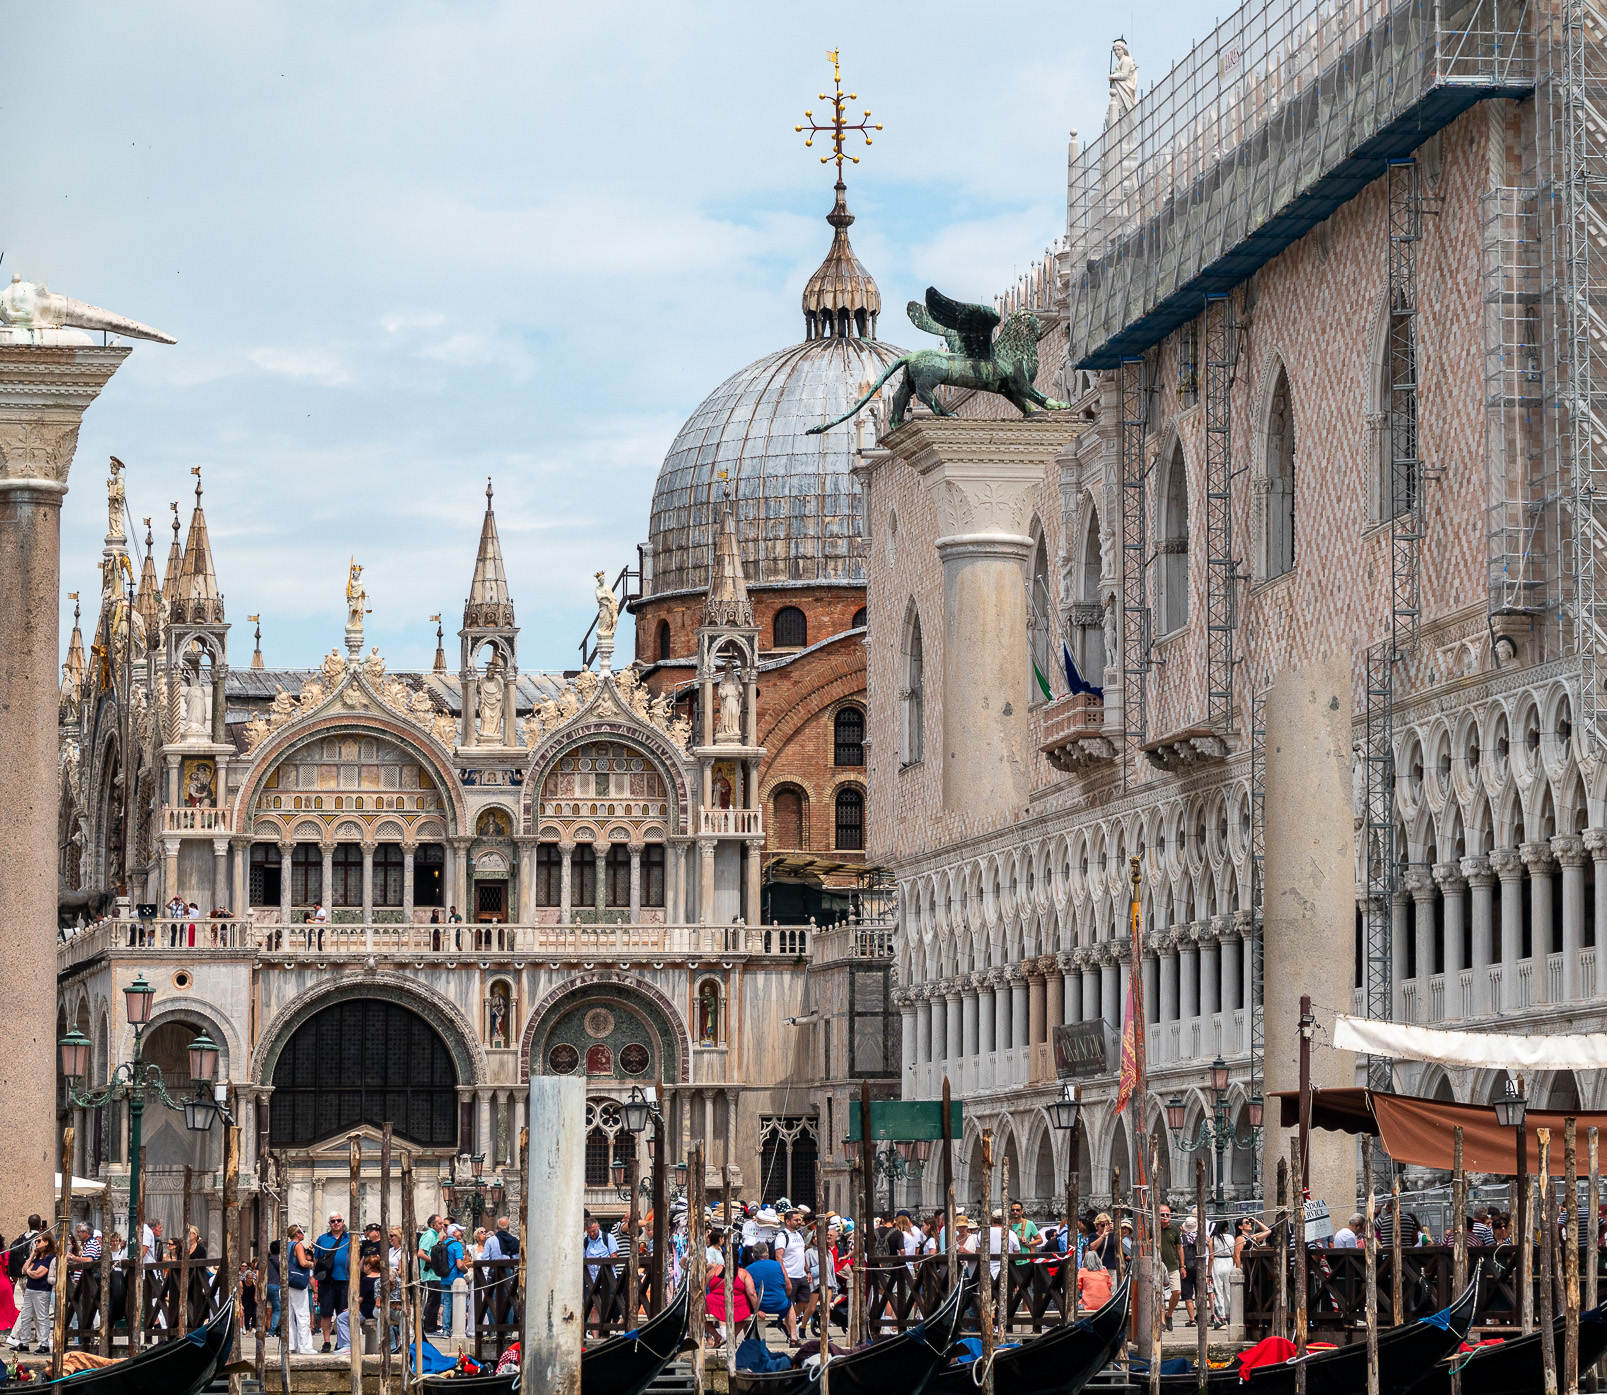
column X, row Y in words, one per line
column 364, row 1061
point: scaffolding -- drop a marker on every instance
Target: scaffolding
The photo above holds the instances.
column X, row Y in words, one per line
column 1520, row 495
column 1222, row 567
column 1273, row 121
column 1135, row 559
column 1572, row 200
column 1254, row 944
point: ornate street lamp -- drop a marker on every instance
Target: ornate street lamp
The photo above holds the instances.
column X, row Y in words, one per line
column 1064, row 1111
column 132, row 1079
column 637, row 1110
column 1216, row 1132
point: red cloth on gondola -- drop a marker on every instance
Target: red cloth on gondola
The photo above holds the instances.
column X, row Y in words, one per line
column 1270, row 1351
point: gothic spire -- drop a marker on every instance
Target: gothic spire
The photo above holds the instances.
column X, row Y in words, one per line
column 198, row 601
column 175, row 562
column 148, row 602
column 488, row 606
column 74, row 671
column 728, row 605
column 440, row 645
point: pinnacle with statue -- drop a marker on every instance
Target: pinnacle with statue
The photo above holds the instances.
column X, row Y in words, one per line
column 975, row 359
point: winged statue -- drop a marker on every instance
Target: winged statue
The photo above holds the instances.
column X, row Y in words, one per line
column 975, row 358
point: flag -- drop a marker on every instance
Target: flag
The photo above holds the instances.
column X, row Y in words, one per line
column 1075, row 682
column 1128, row 1081
column 1043, row 682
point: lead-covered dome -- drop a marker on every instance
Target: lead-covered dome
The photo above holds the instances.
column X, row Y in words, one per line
column 799, row 515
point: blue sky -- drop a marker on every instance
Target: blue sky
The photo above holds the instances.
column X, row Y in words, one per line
column 404, row 246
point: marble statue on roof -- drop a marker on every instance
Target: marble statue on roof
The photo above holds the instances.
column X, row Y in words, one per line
column 1123, row 83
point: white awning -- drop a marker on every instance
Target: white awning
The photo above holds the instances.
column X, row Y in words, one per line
column 81, row 1185
column 1491, row 1050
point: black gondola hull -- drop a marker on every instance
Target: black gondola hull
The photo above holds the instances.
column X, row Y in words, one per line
column 1059, row 1362
column 618, row 1366
column 1514, row 1367
column 1406, row 1355
column 183, row 1366
column 901, row 1365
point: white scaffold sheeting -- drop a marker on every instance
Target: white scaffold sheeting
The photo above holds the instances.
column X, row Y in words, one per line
column 1492, row 1050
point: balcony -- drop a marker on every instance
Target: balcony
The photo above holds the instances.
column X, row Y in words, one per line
column 184, row 820
column 428, row 944
column 713, row 822
column 1073, row 735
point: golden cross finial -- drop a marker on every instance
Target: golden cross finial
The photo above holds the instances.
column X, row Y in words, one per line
column 839, row 125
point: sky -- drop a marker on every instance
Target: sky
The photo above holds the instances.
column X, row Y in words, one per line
column 408, row 246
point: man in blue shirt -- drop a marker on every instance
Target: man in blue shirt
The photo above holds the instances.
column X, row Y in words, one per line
column 600, row 1244
column 770, row 1282
column 332, row 1263
column 455, row 1266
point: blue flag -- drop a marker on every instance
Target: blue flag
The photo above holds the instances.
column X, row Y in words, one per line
column 1075, row 682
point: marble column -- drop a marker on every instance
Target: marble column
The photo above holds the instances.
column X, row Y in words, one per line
column 1542, row 939
column 985, row 1005
column 1454, row 889
column 287, row 856
column 327, row 873
column 1569, row 851
column 1476, row 872
column 1169, row 989
column 368, row 883
column 460, row 878
column 1003, row 1002
column 1054, row 995
column 408, row 851
column 484, row 1140
column 1398, row 930
column 910, row 1043
column 636, row 883
column 1244, row 923
column 1596, row 842
column 1111, row 974
column 1508, row 865
column 1188, row 979
column 971, row 1018
column 1071, row 988
column 1232, row 986
column 1092, row 978
column 246, row 1098
column 1420, row 885
column 924, row 1053
column 705, row 880
column 1020, row 1013
column 1213, row 1043
column 954, row 1032
column 220, row 876
column 566, row 880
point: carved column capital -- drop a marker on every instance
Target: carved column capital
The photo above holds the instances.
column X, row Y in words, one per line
column 1477, row 871
column 1569, row 849
column 1449, row 876
column 1537, row 858
column 1418, row 884
column 1596, row 842
column 1507, row 863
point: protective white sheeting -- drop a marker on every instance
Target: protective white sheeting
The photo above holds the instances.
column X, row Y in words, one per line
column 81, row 1185
column 1493, row 1050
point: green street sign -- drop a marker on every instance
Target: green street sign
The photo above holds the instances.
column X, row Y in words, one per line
column 891, row 1120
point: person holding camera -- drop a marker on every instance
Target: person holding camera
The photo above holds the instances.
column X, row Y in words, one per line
column 38, row 1272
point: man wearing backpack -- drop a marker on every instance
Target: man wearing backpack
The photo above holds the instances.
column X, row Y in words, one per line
column 501, row 1244
column 427, row 1241
column 446, row 1262
column 332, row 1268
column 17, row 1255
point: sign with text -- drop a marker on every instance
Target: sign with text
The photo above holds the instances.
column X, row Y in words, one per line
column 1080, row 1050
column 912, row 1119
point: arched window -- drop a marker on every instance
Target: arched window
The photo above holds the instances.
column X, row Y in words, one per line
column 708, row 1013
column 549, row 875
column 265, row 874
column 850, row 819
column 1172, row 544
column 1090, row 613
column 789, row 630
column 848, row 731
column 1280, row 522
column 663, row 640
column 388, row 874
column 346, row 875
column 619, row 875
column 787, row 820
column 391, row 1066
column 429, row 875
column 1397, row 440
column 306, row 875
column 912, row 727
column 653, row 875
column 859, row 622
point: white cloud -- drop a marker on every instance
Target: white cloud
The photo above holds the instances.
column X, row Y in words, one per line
column 319, row 365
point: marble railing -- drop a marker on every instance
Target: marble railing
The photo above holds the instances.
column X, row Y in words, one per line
column 716, row 821
column 183, row 820
column 585, row 943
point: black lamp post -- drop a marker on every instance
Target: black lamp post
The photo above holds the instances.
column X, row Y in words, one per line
column 1217, row 1132
column 132, row 1079
column 1512, row 1112
column 480, row 1196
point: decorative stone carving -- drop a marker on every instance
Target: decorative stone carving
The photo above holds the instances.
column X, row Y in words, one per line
column 374, row 666
column 281, row 709
column 729, row 731
column 256, row 731
column 39, row 450
column 1507, row 864
column 607, row 609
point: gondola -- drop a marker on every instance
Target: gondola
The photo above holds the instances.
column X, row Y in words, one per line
column 182, row 1366
column 1406, row 1355
column 901, row 1365
column 1513, row 1367
column 623, row 1365
column 1059, row 1362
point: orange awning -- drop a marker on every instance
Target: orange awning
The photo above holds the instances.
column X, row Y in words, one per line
column 1418, row 1131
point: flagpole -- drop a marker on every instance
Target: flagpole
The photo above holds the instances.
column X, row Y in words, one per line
column 1132, row 1087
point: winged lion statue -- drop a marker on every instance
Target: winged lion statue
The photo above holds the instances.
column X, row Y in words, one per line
column 974, row 359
